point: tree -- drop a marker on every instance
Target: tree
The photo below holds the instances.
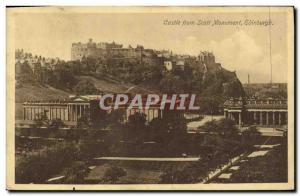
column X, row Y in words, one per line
column 175, row 122
column 24, row 72
column 234, row 89
column 177, row 126
column 137, row 121
column 269, row 168
column 157, row 125
column 84, row 121
column 61, row 77
column 89, row 146
column 227, row 127
column 250, row 135
column 56, row 123
column 75, row 67
column 114, row 119
column 172, row 175
column 85, row 87
column 208, row 79
column 210, row 105
column 37, row 167
column 91, row 64
column 41, row 120
column 113, row 174
column 209, row 127
column 136, row 127
column 223, row 127
column 197, row 81
column 75, row 173
column 155, row 73
column 172, row 84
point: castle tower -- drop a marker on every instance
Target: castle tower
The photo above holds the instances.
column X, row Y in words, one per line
column 206, row 57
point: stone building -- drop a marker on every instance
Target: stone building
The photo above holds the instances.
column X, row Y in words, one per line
column 104, row 50
column 206, row 57
column 262, row 112
column 70, row 111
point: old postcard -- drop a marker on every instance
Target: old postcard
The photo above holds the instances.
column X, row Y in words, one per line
column 150, row 98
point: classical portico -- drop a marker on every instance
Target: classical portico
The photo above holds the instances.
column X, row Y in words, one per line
column 235, row 115
column 66, row 111
column 266, row 112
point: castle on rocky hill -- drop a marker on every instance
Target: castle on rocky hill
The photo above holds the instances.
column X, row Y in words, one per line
column 104, row 50
column 100, row 50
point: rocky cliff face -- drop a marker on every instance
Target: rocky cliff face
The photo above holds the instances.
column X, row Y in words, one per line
column 218, row 81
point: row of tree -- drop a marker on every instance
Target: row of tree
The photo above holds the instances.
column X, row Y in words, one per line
column 188, row 78
column 226, row 143
column 220, row 141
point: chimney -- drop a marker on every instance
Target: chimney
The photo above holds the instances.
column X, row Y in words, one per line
column 248, row 79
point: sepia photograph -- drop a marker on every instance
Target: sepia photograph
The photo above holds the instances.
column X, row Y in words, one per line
column 150, row 98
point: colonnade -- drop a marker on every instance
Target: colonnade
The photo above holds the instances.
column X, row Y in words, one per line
column 268, row 117
column 77, row 110
column 63, row 111
column 258, row 117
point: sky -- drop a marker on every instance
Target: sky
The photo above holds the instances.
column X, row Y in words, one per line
column 244, row 49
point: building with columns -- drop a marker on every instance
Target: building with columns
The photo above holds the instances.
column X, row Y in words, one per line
column 68, row 111
column 71, row 110
column 261, row 112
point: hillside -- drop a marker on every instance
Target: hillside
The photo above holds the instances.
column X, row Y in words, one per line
column 29, row 91
column 39, row 79
column 32, row 91
column 107, row 86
